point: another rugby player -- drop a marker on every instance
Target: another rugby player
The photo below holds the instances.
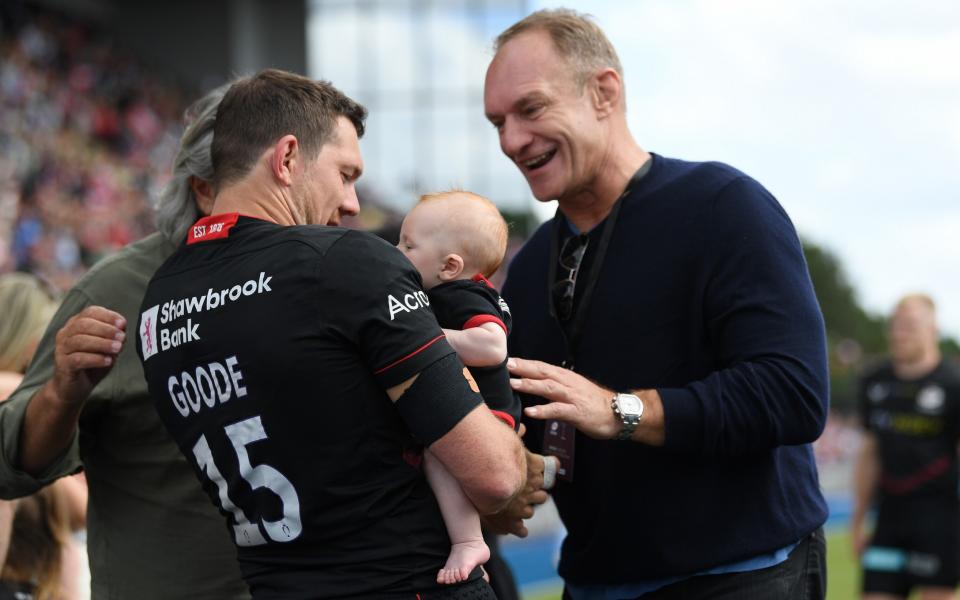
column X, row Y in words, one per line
column 910, row 408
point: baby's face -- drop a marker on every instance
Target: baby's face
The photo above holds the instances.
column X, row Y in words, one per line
column 421, row 244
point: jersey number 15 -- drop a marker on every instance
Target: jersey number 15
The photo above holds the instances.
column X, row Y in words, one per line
column 246, row 533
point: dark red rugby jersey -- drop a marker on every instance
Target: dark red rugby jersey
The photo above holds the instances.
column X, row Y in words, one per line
column 267, row 350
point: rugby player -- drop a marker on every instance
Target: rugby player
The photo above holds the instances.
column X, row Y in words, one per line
column 910, row 407
column 275, row 361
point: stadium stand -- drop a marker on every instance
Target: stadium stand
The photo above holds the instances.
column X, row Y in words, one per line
column 87, row 134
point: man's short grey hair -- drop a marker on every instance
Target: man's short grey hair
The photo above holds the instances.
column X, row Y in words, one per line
column 577, row 38
column 177, row 206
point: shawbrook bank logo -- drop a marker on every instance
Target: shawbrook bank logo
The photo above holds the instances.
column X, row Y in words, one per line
column 148, row 332
column 154, row 338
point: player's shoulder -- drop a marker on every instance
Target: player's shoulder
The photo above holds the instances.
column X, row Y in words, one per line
column 358, row 258
column 363, row 241
column 949, row 372
column 360, row 251
column 316, row 238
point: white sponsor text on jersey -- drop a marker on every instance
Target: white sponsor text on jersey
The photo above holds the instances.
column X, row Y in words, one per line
column 406, row 303
column 174, row 309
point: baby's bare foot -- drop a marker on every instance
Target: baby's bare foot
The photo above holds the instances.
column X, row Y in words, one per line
column 464, row 558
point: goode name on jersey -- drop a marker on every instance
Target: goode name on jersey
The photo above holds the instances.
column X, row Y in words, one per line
column 207, row 384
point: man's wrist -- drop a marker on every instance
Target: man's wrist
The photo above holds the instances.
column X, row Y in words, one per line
column 52, row 399
column 651, row 430
column 628, row 409
column 49, row 426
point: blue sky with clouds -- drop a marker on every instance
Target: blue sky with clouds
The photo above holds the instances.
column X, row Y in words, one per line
column 847, row 110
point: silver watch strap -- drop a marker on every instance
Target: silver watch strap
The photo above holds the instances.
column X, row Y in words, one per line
column 629, row 422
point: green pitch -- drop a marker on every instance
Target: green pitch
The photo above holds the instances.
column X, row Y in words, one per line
column 843, row 573
column 843, row 578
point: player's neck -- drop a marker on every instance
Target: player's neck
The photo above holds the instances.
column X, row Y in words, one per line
column 916, row 369
column 250, row 198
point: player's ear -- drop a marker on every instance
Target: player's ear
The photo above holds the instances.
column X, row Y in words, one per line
column 202, row 194
column 284, row 155
column 452, row 267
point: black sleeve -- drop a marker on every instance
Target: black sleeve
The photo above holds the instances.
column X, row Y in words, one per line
column 494, row 384
column 373, row 296
column 440, row 398
column 466, row 304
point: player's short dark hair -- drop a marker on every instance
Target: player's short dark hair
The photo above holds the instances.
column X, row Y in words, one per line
column 257, row 111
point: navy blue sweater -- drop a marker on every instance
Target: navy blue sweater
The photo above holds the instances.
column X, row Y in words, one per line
column 704, row 295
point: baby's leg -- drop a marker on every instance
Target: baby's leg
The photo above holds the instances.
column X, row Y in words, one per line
column 463, row 523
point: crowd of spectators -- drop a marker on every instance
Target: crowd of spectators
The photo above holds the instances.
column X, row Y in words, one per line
column 87, row 134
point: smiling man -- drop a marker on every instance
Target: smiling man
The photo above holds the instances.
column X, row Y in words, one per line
column 669, row 346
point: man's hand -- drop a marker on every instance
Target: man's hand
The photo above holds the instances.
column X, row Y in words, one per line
column 86, row 349
column 573, row 398
column 510, row 519
column 582, row 403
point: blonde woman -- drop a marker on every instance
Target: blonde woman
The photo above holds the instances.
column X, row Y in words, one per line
column 41, row 559
column 26, row 306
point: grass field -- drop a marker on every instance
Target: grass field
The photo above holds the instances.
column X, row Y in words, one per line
column 843, row 575
column 843, row 578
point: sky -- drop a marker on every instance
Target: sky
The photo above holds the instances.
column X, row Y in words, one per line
column 848, row 111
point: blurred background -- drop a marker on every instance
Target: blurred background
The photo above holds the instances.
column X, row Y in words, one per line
column 849, row 112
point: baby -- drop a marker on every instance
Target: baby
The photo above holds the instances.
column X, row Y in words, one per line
column 456, row 240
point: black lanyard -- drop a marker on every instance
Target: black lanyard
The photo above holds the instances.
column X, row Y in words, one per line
column 573, row 331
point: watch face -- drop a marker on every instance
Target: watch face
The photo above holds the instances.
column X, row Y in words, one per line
column 629, row 405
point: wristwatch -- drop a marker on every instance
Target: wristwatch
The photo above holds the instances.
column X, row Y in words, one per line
column 628, row 408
